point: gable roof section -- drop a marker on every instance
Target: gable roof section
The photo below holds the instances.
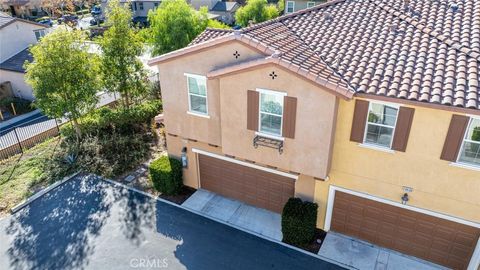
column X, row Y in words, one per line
column 6, row 20
column 423, row 52
column 221, row 6
column 16, row 62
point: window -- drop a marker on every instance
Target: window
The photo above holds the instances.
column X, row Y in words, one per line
column 381, row 120
column 290, row 6
column 271, row 112
column 39, row 34
column 134, row 5
column 310, row 4
column 197, row 94
column 141, row 5
column 155, row 5
column 470, row 151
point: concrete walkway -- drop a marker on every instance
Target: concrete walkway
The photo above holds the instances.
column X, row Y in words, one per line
column 231, row 211
column 365, row 256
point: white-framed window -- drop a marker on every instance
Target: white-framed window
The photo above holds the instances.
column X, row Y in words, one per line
column 134, row 5
column 197, row 94
column 290, row 7
column 155, row 5
column 140, row 5
column 470, row 150
column 39, row 34
column 380, row 127
column 270, row 112
column 310, row 4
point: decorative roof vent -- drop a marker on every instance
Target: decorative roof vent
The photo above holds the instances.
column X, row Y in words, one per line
column 453, row 6
column 327, row 16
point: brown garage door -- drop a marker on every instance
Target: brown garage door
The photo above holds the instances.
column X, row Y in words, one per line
column 255, row 187
column 438, row 240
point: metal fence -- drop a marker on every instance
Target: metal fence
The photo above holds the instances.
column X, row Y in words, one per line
column 17, row 139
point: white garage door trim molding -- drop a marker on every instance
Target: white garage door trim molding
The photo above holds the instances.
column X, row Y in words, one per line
column 243, row 163
column 474, row 262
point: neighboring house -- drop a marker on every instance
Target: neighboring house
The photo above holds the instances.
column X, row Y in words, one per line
column 368, row 108
column 296, row 5
column 225, row 11
column 22, row 8
column 218, row 10
column 16, row 35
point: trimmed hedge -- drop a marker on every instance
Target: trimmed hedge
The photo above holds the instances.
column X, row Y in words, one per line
column 299, row 220
column 166, row 175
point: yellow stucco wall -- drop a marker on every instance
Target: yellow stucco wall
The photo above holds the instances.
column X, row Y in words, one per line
column 437, row 185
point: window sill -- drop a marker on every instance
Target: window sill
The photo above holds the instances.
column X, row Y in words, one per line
column 465, row 166
column 199, row 114
column 270, row 136
column 378, row 148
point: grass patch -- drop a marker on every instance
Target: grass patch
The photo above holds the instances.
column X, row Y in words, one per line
column 22, row 175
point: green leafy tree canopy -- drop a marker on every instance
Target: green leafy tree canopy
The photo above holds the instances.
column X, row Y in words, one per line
column 63, row 75
column 173, row 25
column 121, row 69
column 255, row 11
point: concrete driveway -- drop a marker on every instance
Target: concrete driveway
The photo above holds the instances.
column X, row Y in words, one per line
column 88, row 223
column 365, row 256
column 237, row 213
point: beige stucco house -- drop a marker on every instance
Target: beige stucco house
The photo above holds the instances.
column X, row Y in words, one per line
column 369, row 108
column 16, row 35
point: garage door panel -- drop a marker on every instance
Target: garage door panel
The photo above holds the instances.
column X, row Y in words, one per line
column 439, row 240
column 255, row 187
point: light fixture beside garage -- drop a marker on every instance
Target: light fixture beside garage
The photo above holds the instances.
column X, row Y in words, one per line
column 405, row 198
column 184, row 157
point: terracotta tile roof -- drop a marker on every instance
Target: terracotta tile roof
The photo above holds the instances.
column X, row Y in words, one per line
column 210, row 33
column 426, row 51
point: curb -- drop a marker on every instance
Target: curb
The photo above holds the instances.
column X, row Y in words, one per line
column 230, row 225
column 42, row 192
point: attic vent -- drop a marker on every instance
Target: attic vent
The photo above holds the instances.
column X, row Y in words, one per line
column 327, row 16
column 453, row 6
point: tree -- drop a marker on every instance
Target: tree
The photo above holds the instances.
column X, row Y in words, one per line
column 63, row 75
column 122, row 71
column 255, row 11
column 53, row 7
column 174, row 24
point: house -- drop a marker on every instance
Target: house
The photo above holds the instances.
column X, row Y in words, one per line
column 369, row 108
column 23, row 8
column 296, row 5
column 16, row 35
column 225, row 11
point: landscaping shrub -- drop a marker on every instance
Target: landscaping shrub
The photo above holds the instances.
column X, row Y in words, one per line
column 166, row 175
column 21, row 105
column 105, row 120
column 299, row 220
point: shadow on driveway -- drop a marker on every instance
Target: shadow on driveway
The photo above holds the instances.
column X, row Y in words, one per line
column 88, row 223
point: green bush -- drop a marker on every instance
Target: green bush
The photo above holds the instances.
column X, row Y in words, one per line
column 166, row 175
column 21, row 105
column 104, row 121
column 299, row 220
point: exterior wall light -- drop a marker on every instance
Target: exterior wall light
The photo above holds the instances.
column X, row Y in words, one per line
column 184, row 157
column 405, row 198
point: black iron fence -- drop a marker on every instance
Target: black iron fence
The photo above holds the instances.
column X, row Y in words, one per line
column 25, row 135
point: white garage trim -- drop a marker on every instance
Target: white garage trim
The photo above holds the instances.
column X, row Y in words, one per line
column 243, row 163
column 474, row 261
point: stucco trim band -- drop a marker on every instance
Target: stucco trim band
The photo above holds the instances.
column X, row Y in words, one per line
column 243, row 163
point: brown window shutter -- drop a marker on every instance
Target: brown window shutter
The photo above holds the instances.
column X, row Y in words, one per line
column 402, row 129
column 453, row 142
column 359, row 121
column 252, row 110
column 289, row 116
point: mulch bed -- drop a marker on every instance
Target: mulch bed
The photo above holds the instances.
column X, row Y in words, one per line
column 184, row 194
